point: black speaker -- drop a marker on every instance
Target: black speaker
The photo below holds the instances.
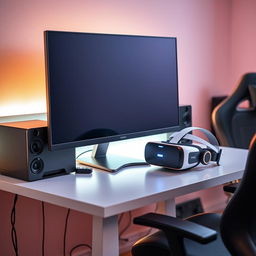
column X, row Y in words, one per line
column 185, row 120
column 24, row 152
column 185, row 116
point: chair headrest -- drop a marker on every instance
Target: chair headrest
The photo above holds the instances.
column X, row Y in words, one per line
column 245, row 90
column 252, row 93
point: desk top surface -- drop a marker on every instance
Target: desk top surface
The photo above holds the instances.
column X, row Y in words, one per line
column 105, row 194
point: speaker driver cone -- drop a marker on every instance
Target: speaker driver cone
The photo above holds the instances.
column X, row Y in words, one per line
column 36, row 147
column 37, row 165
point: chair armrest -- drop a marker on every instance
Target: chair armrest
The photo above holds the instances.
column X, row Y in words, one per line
column 231, row 188
column 178, row 227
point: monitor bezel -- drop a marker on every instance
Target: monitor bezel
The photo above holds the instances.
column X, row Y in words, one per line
column 79, row 143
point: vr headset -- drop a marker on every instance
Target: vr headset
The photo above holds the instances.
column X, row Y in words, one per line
column 177, row 155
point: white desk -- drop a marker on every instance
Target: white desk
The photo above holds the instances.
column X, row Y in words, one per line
column 105, row 195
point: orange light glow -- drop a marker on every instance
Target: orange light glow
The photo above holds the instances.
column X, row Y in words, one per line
column 22, row 83
column 22, row 79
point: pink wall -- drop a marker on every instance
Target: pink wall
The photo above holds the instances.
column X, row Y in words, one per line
column 202, row 29
column 215, row 40
column 243, row 39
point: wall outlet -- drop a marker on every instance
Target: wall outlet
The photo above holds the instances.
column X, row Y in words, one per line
column 189, row 208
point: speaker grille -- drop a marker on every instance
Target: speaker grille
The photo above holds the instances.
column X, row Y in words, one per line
column 185, row 116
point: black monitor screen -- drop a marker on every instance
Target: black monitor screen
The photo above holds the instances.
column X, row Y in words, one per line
column 103, row 87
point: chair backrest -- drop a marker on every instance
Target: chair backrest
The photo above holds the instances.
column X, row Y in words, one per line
column 238, row 222
column 234, row 127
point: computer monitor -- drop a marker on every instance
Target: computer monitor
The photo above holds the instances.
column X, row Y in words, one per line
column 105, row 87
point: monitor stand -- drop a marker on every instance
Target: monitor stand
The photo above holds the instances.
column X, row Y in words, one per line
column 111, row 163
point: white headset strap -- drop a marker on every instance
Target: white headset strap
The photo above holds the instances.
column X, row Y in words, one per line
column 185, row 134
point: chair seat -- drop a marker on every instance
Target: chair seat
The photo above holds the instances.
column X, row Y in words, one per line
column 156, row 244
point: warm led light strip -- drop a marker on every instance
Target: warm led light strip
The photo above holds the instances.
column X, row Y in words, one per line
column 18, row 108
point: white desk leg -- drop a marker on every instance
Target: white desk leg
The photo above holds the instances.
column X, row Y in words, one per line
column 167, row 207
column 105, row 240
